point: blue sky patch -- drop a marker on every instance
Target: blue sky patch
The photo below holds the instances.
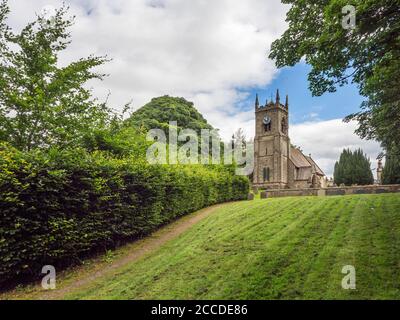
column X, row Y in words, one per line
column 303, row 106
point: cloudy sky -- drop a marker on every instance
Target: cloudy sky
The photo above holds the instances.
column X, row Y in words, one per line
column 212, row 52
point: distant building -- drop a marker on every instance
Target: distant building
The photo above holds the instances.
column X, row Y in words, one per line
column 379, row 170
column 278, row 164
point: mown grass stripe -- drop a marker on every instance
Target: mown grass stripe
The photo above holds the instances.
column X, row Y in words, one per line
column 274, row 248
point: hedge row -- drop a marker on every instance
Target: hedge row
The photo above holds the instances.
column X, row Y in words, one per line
column 57, row 207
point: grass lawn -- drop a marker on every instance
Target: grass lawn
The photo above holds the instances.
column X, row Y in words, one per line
column 282, row 248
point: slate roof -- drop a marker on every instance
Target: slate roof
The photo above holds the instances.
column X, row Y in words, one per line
column 301, row 161
column 317, row 168
column 298, row 158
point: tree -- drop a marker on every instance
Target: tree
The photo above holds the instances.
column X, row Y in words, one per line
column 391, row 171
column 41, row 103
column 368, row 55
column 239, row 138
column 161, row 110
column 353, row 168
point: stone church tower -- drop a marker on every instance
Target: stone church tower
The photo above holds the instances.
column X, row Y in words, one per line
column 278, row 164
column 271, row 144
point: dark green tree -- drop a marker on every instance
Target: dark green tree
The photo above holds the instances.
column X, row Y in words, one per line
column 41, row 103
column 391, row 170
column 161, row 110
column 353, row 168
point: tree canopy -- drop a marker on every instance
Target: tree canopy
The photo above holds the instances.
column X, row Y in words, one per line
column 368, row 55
column 161, row 110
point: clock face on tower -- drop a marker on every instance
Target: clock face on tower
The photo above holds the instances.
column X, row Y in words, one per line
column 266, row 120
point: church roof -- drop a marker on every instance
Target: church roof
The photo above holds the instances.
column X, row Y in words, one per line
column 316, row 167
column 298, row 158
column 301, row 161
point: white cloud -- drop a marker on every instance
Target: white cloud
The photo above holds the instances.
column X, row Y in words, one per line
column 201, row 50
column 325, row 140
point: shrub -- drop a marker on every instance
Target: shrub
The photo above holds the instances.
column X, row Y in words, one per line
column 59, row 206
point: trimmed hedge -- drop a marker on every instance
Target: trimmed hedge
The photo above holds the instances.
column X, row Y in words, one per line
column 59, row 206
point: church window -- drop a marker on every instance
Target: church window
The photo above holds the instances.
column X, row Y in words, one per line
column 267, row 127
column 266, row 174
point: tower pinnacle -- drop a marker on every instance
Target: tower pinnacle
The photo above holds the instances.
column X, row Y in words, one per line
column 277, row 97
column 257, row 104
column 287, row 102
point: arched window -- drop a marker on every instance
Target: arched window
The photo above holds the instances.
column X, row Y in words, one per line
column 266, row 173
column 267, row 127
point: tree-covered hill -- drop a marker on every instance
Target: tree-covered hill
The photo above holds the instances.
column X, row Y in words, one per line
column 161, row 110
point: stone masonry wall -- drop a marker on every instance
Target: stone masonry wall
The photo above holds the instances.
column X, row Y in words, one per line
column 335, row 191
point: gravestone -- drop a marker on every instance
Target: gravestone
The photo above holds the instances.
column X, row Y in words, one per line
column 361, row 191
column 264, row 195
column 382, row 191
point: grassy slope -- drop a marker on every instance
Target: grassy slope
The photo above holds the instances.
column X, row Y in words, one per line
column 272, row 249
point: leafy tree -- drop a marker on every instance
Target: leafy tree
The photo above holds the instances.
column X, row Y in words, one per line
column 119, row 142
column 353, row 168
column 41, row 103
column 239, row 138
column 368, row 55
column 160, row 111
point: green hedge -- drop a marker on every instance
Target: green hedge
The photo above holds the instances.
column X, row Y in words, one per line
column 57, row 207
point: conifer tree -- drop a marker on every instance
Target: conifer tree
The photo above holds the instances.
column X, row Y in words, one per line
column 391, row 171
column 353, row 168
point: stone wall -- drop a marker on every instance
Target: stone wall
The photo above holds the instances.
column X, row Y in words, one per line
column 335, row 191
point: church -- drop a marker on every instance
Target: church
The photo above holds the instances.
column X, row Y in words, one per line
column 277, row 163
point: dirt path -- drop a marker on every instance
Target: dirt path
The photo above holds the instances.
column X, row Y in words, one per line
column 139, row 249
